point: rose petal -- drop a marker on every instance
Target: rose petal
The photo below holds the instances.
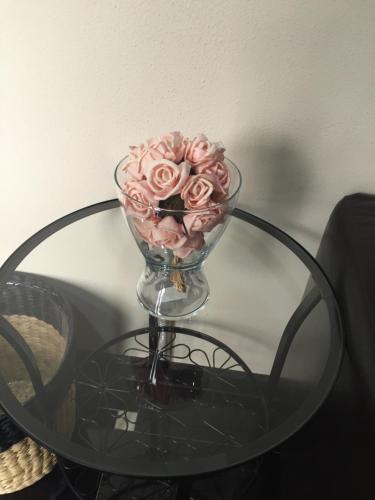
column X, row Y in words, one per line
column 169, row 223
column 169, row 233
column 197, row 191
column 194, row 243
column 165, row 178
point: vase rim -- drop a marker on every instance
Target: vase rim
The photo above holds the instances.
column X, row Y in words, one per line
column 184, row 211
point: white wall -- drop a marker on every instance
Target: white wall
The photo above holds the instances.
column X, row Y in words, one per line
column 288, row 86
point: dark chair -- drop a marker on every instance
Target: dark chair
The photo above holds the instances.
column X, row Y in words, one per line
column 332, row 456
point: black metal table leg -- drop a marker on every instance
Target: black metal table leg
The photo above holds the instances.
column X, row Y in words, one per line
column 184, row 489
column 153, row 335
column 83, row 482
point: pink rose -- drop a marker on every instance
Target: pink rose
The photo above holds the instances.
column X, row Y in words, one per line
column 165, row 178
column 145, row 228
column 197, row 191
column 220, row 172
column 169, row 146
column 203, row 221
column 133, row 165
column 172, row 146
column 139, row 199
column 201, row 152
column 194, row 242
column 168, row 234
column 164, row 233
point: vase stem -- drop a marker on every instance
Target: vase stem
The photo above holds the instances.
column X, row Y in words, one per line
column 172, row 293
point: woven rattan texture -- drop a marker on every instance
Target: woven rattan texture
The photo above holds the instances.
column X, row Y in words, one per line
column 22, row 461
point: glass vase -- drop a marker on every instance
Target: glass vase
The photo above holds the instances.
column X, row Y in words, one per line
column 175, row 244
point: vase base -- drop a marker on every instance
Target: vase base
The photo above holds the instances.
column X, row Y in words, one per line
column 172, row 294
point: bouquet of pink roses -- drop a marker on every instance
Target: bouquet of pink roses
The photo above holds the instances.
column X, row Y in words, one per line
column 175, row 188
column 177, row 194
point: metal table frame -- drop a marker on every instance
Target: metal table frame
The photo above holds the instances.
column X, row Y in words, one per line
column 315, row 295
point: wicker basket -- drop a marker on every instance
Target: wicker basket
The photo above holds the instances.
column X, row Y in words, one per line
column 44, row 320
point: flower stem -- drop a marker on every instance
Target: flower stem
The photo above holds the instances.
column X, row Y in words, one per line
column 176, row 277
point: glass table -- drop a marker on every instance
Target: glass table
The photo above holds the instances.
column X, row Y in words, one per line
column 152, row 399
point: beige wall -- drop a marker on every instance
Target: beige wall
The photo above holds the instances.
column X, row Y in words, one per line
column 288, row 86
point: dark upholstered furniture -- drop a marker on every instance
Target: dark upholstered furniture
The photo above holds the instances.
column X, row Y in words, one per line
column 333, row 456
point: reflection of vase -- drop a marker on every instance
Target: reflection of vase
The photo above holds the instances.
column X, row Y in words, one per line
column 175, row 243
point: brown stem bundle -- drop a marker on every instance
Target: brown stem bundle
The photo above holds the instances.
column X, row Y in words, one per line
column 176, row 277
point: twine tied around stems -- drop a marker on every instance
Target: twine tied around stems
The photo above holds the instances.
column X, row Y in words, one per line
column 176, row 277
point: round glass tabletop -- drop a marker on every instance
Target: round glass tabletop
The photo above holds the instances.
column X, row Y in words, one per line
column 87, row 373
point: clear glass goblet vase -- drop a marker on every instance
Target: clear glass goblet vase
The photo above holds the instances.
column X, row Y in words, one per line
column 175, row 243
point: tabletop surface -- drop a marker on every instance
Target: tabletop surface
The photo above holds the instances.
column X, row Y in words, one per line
column 86, row 372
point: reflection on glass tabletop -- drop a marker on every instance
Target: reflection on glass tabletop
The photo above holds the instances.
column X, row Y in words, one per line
column 85, row 371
